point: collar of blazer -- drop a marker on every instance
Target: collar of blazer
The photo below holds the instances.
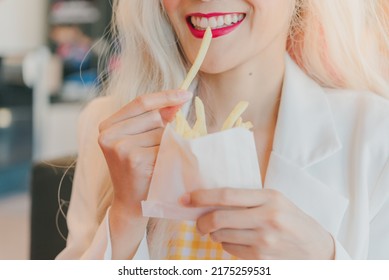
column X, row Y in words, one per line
column 305, row 135
column 305, row 132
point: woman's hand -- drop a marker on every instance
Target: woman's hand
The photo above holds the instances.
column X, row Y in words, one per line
column 260, row 224
column 130, row 141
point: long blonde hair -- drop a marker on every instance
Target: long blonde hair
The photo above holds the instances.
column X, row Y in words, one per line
column 343, row 44
column 340, row 44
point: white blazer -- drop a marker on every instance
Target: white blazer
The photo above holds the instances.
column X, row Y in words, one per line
column 330, row 157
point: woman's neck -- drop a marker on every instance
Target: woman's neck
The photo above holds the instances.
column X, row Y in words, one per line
column 258, row 81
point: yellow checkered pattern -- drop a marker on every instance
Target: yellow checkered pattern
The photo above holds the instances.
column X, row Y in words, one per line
column 188, row 244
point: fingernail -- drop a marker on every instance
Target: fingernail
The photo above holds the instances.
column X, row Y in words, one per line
column 185, row 199
column 184, row 95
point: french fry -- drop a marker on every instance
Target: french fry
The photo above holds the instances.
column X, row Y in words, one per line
column 234, row 115
column 239, row 122
column 206, row 42
column 182, row 126
column 192, row 134
column 200, row 125
column 247, row 125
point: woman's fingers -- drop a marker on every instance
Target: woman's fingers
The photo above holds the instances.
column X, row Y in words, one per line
column 269, row 213
column 235, row 236
column 242, row 218
column 133, row 126
column 148, row 139
column 262, row 217
column 147, row 103
column 151, row 138
column 133, row 148
column 229, row 197
column 243, row 252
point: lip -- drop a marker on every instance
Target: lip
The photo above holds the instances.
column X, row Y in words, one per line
column 215, row 32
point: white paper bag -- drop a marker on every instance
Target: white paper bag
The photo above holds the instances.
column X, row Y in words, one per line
column 223, row 159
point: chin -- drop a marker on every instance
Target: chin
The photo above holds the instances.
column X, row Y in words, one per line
column 214, row 68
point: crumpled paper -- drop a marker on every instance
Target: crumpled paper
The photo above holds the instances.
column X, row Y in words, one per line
column 223, row 159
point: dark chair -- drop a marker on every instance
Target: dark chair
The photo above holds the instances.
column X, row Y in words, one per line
column 48, row 225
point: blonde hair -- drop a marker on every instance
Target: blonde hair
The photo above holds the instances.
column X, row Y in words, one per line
column 343, row 44
column 340, row 44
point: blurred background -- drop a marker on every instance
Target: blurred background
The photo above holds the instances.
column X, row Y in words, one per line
column 49, row 70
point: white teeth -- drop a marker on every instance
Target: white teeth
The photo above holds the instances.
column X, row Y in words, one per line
column 220, row 21
column 216, row 22
column 212, row 22
column 228, row 19
column 204, row 23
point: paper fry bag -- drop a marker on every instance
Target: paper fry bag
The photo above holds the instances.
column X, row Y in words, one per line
column 223, row 159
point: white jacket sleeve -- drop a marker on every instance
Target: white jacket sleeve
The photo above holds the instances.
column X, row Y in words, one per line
column 378, row 245
column 88, row 236
column 379, row 218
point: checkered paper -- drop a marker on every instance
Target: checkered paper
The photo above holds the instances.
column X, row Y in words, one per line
column 188, row 244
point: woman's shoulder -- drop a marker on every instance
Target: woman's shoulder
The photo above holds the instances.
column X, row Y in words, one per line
column 362, row 119
column 362, row 107
column 97, row 110
column 94, row 112
column 100, row 105
column 358, row 96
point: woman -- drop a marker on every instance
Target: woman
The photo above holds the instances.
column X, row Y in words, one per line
column 307, row 68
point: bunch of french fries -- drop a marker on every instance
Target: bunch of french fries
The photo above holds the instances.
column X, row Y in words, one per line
column 199, row 129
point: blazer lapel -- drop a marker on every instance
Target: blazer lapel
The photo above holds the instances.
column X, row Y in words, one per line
column 305, row 135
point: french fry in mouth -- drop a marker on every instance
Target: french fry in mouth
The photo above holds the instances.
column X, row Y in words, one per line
column 199, row 59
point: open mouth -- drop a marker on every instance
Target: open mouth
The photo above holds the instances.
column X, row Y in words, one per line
column 220, row 23
column 215, row 22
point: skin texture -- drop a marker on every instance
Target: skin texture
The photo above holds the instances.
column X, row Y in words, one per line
column 263, row 224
